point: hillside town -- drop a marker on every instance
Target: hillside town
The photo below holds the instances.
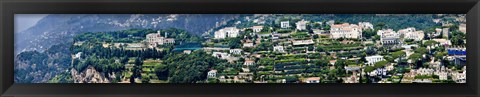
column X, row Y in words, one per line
column 298, row 50
column 297, row 55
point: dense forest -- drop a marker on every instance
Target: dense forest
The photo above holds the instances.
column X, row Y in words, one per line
column 34, row 66
column 188, row 68
column 135, row 35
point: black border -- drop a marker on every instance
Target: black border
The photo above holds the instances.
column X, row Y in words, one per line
column 11, row 7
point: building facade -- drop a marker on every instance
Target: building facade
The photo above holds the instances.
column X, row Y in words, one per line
column 257, row 28
column 278, row 49
column 365, row 25
column 301, row 25
column 415, row 35
column 227, row 32
column 345, row 30
column 154, row 39
column 212, row 74
column 373, row 59
column 388, row 37
column 285, row 24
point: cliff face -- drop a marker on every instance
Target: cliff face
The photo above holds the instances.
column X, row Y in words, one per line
column 89, row 75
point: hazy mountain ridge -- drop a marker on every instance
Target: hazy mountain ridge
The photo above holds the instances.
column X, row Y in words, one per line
column 61, row 28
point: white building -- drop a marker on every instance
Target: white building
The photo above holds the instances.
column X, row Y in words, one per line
column 404, row 31
column 425, row 71
column 312, row 80
column 301, row 25
column 168, row 41
column 249, row 62
column 78, row 55
column 221, row 55
column 248, row 44
column 445, row 32
column 463, row 28
column 442, row 75
column 388, row 37
column 303, row 42
column 187, row 51
column 345, row 30
column 331, row 22
column 227, row 32
column 380, row 32
column 415, row 35
column 409, row 47
column 438, row 31
column 212, row 74
column 365, row 25
column 373, row 59
column 444, row 42
column 278, row 49
column 257, row 28
column 154, row 39
column 460, row 77
column 378, row 72
column 236, row 51
column 320, row 32
column 285, row 24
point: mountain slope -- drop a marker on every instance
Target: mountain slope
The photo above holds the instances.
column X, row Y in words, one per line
column 58, row 28
column 43, row 50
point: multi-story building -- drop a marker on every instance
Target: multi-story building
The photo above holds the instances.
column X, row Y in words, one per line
column 380, row 32
column 212, row 74
column 404, row 31
column 312, row 80
column 301, row 25
column 236, row 51
column 438, row 31
column 415, row 35
column 425, row 71
column 278, row 49
column 303, row 42
column 320, row 32
column 227, row 32
column 442, row 75
column 285, row 24
column 463, row 28
column 373, row 59
column 445, row 32
column 388, row 37
column 345, row 30
column 154, row 39
column 460, row 77
column 378, row 72
column 248, row 44
column 221, row 55
column 365, row 25
column 257, row 28
column 248, row 62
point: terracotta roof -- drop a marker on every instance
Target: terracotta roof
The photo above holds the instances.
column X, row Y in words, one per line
column 257, row 27
column 312, row 78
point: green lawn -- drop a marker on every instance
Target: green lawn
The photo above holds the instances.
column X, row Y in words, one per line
column 158, row 81
column 150, row 62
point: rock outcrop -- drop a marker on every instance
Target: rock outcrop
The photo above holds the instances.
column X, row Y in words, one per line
column 89, row 75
